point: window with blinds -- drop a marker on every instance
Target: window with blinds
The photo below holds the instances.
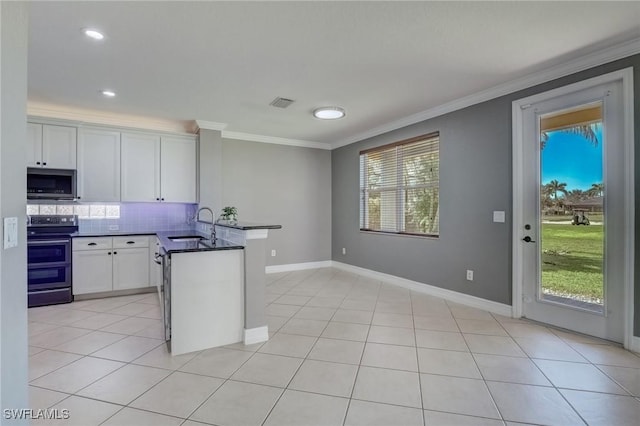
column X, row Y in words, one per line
column 399, row 187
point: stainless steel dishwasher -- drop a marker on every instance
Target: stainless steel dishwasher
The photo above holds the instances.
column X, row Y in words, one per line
column 166, row 293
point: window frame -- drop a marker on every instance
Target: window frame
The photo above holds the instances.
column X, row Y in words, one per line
column 399, row 187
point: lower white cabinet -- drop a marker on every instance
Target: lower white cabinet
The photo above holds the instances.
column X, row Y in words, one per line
column 110, row 263
column 155, row 268
column 130, row 268
column 92, row 271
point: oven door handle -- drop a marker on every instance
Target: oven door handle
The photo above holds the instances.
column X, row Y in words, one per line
column 46, row 242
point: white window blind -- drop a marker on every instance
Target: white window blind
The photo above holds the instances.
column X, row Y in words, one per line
column 399, row 187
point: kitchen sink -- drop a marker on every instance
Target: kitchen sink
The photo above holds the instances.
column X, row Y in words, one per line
column 186, row 238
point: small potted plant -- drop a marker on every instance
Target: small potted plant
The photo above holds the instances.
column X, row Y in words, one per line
column 230, row 214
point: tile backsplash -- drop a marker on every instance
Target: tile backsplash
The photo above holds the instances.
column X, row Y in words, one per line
column 143, row 217
column 124, row 217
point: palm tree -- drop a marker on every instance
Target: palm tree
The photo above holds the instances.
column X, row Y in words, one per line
column 596, row 190
column 554, row 187
column 545, row 197
column 575, row 195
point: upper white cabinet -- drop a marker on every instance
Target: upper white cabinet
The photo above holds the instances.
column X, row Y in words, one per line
column 98, row 165
column 158, row 168
column 178, row 169
column 51, row 146
column 140, row 167
column 34, row 145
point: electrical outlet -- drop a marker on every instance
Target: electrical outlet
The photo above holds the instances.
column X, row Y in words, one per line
column 273, row 253
column 344, row 250
column 469, row 275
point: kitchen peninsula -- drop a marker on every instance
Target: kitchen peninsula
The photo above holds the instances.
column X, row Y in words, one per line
column 214, row 291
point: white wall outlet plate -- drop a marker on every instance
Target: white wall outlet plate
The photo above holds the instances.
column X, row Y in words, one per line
column 469, row 275
column 498, row 216
column 10, row 232
column 273, row 253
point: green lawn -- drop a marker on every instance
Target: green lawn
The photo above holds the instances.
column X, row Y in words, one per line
column 572, row 259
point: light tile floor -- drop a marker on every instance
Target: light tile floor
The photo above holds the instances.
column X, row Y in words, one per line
column 344, row 350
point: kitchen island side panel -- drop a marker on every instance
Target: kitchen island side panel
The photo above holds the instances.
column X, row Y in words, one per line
column 207, row 300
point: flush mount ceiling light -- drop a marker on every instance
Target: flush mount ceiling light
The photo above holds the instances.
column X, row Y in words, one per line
column 108, row 93
column 94, row 34
column 328, row 113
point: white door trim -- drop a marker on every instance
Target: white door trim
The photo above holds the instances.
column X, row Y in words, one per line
column 626, row 76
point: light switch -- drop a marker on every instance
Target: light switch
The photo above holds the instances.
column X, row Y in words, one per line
column 10, row 232
column 498, row 216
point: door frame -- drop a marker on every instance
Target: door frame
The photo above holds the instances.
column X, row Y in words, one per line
column 517, row 108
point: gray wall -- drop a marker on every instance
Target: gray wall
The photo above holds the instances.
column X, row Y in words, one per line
column 272, row 184
column 475, row 179
column 13, row 262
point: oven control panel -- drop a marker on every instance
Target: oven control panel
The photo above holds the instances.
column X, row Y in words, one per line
column 53, row 220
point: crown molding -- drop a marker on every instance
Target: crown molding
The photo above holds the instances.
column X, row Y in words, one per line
column 274, row 140
column 594, row 59
column 82, row 116
column 210, row 125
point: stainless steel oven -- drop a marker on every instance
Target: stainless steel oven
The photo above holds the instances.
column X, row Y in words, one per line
column 49, row 259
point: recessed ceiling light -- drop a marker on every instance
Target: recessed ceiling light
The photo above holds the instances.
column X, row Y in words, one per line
column 328, row 113
column 94, row 34
column 108, row 93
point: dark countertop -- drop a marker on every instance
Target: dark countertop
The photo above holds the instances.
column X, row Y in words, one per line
column 172, row 246
column 191, row 246
column 80, row 234
column 246, row 226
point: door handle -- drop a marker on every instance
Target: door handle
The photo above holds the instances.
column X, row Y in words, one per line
column 528, row 239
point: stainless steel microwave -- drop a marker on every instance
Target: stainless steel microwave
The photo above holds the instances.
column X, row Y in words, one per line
column 51, row 184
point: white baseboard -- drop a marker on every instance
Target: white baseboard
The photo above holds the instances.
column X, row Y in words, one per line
column 298, row 266
column 256, row 335
column 634, row 344
column 452, row 296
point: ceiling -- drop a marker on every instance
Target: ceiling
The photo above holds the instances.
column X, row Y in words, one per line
column 224, row 62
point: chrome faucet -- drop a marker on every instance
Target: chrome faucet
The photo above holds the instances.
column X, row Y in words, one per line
column 213, row 222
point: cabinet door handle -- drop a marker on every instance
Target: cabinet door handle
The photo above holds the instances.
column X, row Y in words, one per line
column 92, row 244
column 37, row 162
column 157, row 199
column 131, row 242
column 109, row 253
column 115, row 252
column 161, row 199
column 44, row 164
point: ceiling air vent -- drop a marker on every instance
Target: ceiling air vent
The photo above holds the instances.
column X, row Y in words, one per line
column 281, row 102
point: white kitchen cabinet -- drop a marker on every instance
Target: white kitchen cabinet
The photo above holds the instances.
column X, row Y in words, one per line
column 178, row 170
column 130, row 268
column 158, row 168
column 110, row 263
column 98, row 165
column 51, row 146
column 34, row 145
column 140, row 167
column 155, row 270
column 92, row 271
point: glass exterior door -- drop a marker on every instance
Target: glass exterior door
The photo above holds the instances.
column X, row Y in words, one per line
column 572, row 208
column 572, row 233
